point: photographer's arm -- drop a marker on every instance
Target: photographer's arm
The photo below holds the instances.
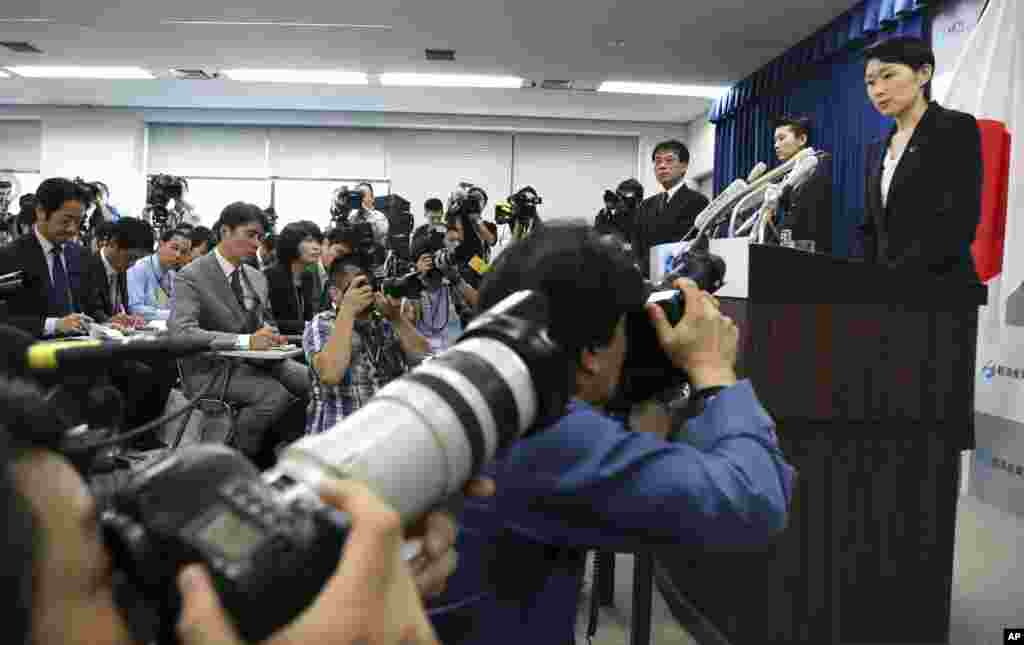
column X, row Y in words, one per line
column 331, row 362
column 413, row 343
column 471, row 295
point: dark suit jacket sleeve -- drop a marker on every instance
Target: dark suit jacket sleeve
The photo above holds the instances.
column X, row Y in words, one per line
column 959, row 202
column 282, row 300
column 88, row 296
column 26, row 310
column 867, row 229
column 95, row 300
column 810, row 210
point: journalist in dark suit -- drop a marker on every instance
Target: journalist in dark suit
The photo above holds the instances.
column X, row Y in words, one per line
column 57, row 287
column 218, row 297
column 923, row 181
column 146, row 384
column 293, row 281
column 667, row 216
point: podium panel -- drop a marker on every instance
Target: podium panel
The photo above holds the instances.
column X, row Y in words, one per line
column 869, row 374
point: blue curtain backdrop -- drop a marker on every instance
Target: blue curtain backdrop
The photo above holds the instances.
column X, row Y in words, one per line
column 821, row 77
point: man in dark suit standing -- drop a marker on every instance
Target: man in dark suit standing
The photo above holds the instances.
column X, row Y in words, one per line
column 58, row 293
column 669, row 215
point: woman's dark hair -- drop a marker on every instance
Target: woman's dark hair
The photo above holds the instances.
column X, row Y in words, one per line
column 53, row 192
column 170, row 234
column 677, row 147
column 130, row 233
column 569, row 264
column 28, row 424
column 200, row 235
column 433, row 204
column 240, row 214
column 293, row 235
column 913, row 52
column 799, row 124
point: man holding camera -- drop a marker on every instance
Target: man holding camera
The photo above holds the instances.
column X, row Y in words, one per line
column 447, row 300
column 585, row 482
column 358, row 346
column 367, row 212
column 64, row 586
column 618, row 217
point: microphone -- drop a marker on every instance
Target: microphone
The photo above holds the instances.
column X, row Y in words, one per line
column 62, row 354
column 756, row 172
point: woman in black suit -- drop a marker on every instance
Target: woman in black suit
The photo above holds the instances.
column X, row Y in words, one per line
column 293, row 295
column 923, row 192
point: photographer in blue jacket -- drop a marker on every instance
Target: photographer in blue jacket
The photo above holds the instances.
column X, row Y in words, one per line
column 587, row 481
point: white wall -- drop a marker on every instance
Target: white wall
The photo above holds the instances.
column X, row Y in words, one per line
column 701, row 142
column 95, row 145
column 110, row 143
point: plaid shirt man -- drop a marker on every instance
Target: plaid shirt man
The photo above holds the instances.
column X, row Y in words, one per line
column 365, row 374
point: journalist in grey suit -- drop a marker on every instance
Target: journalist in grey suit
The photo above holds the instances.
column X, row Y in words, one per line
column 218, row 297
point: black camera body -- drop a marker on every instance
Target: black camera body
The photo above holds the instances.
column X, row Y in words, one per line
column 647, row 370
column 523, row 209
column 345, row 201
column 207, row 503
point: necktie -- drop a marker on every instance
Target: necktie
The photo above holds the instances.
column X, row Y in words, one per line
column 236, row 286
column 164, row 292
column 115, row 295
column 663, row 203
column 59, row 300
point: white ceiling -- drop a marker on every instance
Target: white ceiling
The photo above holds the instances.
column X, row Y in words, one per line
column 684, row 41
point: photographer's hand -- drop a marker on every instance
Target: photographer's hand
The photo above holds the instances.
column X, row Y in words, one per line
column 357, row 297
column 425, row 263
column 370, row 598
column 704, row 343
column 436, row 563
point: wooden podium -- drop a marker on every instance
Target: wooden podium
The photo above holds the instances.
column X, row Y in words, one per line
column 869, row 373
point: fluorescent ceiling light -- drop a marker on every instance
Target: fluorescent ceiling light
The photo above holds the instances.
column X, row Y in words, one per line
column 663, row 89
column 4, row 74
column 110, row 73
column 315, row 76
column 25, row 20
column 272, row 23
column 450, row 80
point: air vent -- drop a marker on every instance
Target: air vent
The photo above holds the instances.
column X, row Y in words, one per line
column 555, row 85
column 193, row 75
column 441, row 54
column 21, row 47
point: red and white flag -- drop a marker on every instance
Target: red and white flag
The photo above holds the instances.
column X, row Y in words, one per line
column 988, row 82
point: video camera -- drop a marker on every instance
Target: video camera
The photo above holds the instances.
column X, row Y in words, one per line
column 519, row 208
column 359, row 233
column 268, row 541
column 468, row 200
column 161, row 190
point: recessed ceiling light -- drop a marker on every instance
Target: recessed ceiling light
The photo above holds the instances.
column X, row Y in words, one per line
column 4, row 74
column 273, row 23
column 451, row 80
column 110, row 73
column 617, row 43
column 314, row 76
column 663, row 89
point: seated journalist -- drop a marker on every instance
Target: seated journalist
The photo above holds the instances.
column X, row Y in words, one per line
column 61, row 585
column 586, row 482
